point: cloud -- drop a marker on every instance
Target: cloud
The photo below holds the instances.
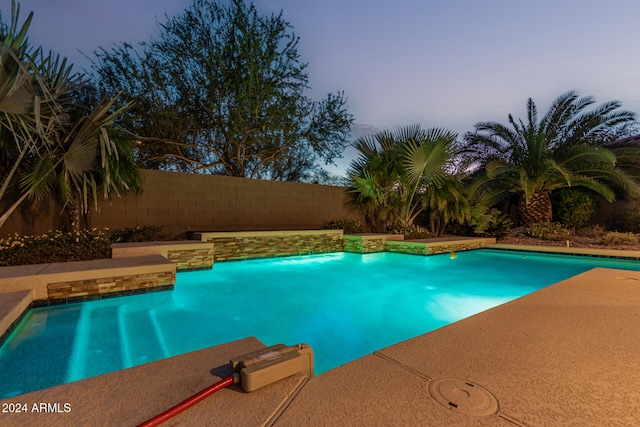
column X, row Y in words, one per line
column 358, row 130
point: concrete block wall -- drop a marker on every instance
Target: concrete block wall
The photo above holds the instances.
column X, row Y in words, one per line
column 190, row 202
column 182, row 202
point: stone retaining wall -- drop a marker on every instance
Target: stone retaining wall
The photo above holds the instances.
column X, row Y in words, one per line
column 191, row 259
column 186, row 254
column 406, row 248
column 435, row 246
column 453, row 247
column 89, row 289
column 262, row 244
column 84, row 280
column 368, row 243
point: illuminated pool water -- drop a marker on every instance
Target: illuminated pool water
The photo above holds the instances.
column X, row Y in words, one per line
column 344, row 305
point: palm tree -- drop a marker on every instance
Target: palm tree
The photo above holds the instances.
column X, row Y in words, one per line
column 398, row 175
column 89, row 156
column 18, row 99
column 49, row 144
column 566, row 148
column 447, row 203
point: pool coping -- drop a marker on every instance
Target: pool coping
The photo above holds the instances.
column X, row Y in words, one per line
column 568, row 250
column 563, row 355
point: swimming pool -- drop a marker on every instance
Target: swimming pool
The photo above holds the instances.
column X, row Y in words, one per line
column 344, row 305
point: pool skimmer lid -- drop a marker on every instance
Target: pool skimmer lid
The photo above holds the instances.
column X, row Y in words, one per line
column 463, row 397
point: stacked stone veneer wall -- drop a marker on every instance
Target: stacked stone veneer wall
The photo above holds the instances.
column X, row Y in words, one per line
column 186, row 254
column 191, row 259
column 406, row 248
column 434, row 248
column 233, row 246
column 364, row 244
column 86, row 280
column 88, row 289
column 453, row 247
column 182, row 202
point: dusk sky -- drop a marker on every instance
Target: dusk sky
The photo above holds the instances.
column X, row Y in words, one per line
column 447, row 63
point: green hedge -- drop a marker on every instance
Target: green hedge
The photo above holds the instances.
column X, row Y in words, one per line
column 58, row 246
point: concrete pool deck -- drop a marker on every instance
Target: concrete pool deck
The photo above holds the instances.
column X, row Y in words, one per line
column 565, row 355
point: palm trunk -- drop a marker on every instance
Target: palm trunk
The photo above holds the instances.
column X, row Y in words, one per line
column 86, row 216
column 537, row 209
column 75, row 210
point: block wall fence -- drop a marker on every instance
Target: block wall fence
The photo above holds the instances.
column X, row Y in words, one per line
column 183, row 202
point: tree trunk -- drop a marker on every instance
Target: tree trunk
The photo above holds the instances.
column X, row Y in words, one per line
column 86, row 216
column 74, row 208
column 538, row 209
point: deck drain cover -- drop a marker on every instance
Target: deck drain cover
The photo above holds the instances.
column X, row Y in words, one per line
column 463, row 397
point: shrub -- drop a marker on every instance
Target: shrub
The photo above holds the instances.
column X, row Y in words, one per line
column 615, row 238
column 626, row 217
column 499, row 226
column 547, row 231
column 595, row 231
column 411, row 232
column 58, row 246
column 484, row 222
column 55, row 246
column 141, row 233
column 573, row 208
column 349, row 225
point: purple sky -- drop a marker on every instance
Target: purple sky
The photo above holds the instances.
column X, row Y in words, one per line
column 448, row 63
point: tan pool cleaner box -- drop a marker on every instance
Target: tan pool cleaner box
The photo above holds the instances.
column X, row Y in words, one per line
column 263, row 367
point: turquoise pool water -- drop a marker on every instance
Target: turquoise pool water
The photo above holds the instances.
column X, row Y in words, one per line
column 344, row 305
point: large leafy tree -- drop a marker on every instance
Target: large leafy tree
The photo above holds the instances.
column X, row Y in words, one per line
column 50, row 144
column 570, row 146
column 222, row 90
column 402, row 173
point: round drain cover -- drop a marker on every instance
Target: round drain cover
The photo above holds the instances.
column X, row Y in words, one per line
column 463, row 397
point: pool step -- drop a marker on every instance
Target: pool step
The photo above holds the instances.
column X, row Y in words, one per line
column 109, row 337
column 96, row 347
column 12, row 307
column 144, row 341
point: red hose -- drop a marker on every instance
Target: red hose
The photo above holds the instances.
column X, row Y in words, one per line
column 172, row 412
